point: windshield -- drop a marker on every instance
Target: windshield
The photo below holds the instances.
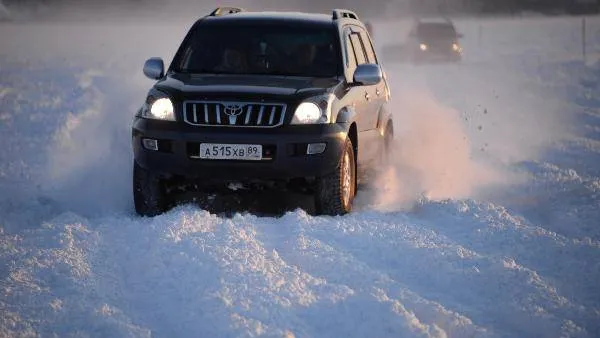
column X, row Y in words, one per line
column 260, row 49
column 436, row 30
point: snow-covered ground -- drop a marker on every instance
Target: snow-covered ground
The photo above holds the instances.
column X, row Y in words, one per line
column 487, row 224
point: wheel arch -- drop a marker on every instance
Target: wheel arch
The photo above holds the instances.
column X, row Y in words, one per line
column 385, row 120
column 346, row 114
column 353, row 135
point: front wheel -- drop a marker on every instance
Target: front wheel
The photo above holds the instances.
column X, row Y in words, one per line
column 335, row 192
column 149, row 196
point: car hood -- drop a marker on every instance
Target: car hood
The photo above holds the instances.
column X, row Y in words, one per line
column 187, row 84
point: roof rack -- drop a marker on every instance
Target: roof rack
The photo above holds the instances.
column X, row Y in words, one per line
column 344, row 13
column 225, row 10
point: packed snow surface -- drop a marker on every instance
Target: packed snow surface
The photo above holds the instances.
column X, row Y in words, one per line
column 486, row 225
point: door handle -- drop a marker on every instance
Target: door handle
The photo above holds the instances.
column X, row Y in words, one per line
column 367, row 96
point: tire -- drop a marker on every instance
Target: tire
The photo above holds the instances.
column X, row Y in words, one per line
column 149, row 196
column 335, row 192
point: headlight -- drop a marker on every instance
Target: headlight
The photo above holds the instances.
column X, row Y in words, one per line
column 455, row 47
column 423, row 47
column 160, row 109
column 316, row 110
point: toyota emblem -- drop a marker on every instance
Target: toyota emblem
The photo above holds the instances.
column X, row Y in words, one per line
column 233, row 109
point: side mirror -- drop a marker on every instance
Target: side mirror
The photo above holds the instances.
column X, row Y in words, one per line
column 154, row 68
column 368, row 74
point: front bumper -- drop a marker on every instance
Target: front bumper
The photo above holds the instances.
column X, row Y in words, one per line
column 284, row 150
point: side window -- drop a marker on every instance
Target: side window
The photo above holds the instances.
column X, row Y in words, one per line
column 350, row 54
column 368, row 46
column 358, row 48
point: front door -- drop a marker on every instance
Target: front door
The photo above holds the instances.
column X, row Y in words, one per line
column 365, row 98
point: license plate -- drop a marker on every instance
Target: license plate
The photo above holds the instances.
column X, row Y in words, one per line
column 216, row 151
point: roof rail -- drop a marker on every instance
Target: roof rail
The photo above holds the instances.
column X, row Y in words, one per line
column 344, row 13
column 225, row 10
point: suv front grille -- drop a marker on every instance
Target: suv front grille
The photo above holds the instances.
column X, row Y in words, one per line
column 234, row 114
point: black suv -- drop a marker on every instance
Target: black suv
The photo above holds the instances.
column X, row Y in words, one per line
column 434, row 40
column 284, row 99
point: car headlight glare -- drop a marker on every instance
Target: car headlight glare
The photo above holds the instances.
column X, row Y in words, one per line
column 307, row 113
column 313, row 111
column 161, row 109
column 423, row 47
column 455, row 47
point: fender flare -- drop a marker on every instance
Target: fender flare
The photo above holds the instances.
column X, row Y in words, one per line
column 346, row 115
column 383, row 118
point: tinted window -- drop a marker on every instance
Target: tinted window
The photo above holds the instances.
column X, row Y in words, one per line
column 436, row 30
column 253, row 48
column 350, row 54
column 368, row 47
column 358, row 49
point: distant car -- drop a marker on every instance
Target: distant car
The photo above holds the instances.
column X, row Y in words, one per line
column 434, row 40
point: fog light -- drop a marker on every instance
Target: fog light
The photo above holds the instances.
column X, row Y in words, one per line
column 150, row 144
column 315, row 148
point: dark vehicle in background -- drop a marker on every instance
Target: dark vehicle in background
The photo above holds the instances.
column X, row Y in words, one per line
column 292, row 100
column 433, row 40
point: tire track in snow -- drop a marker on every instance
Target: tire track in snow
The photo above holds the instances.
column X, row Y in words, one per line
column 379, row 298
column 190, row 273
column 212, row 274
column 46, row 289
column 163, row 283
column 492, row 230
column 493, row 292
column 259, row 290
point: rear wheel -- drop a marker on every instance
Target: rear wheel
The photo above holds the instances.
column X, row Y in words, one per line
column 335, row 192
column 149, row 196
